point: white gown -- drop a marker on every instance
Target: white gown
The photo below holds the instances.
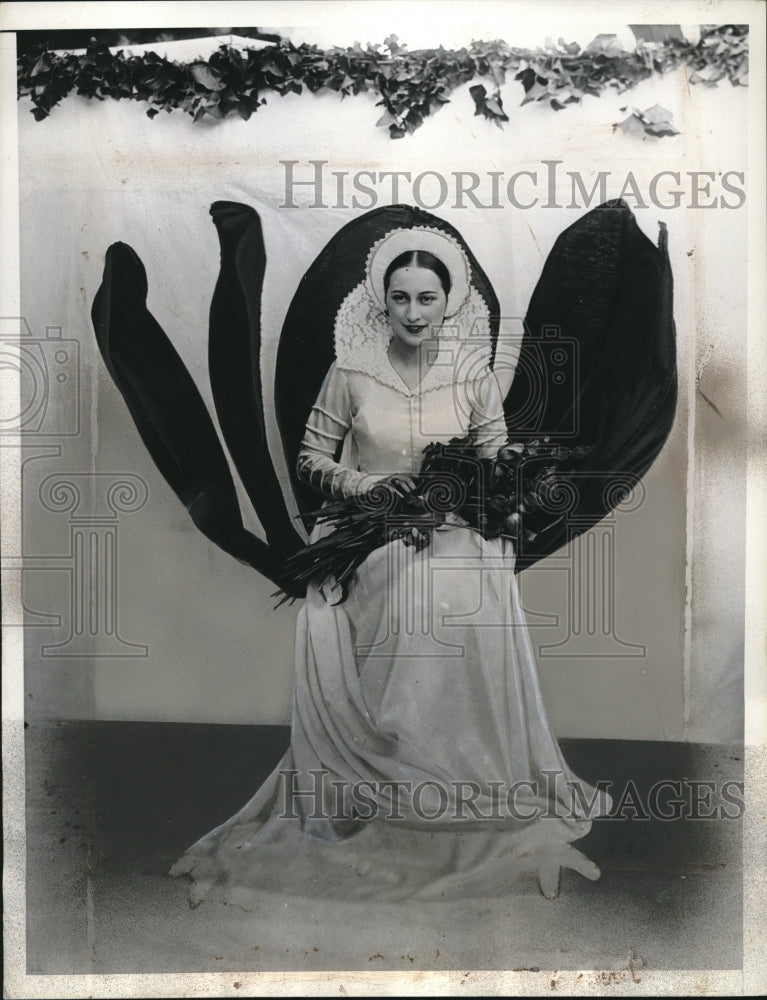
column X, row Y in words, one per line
column 417, row 695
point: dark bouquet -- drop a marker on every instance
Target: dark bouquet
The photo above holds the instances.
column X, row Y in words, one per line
column 520, row 493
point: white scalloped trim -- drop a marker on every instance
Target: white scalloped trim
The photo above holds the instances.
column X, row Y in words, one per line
column 442, row 245
column 362, row 336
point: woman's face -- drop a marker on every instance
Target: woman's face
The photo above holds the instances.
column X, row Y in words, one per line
column 416, row 304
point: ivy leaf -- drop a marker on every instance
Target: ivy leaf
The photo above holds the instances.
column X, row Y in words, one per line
column 202, row 75
column 386, row 120
column 606, row 45
column 661, row 129
column 42, row 65
column 633, row 125
column 657, row 114
column 562, row 98
column 494, row 106
column 658, row 121
column 571, row 48
column 740, row 77
column 478, row 94
column 412, row 85
column 654, row 121
column 490, row 107
column 709, row 76
column 538, row 91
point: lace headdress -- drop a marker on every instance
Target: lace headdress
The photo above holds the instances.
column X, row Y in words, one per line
column 363, row 332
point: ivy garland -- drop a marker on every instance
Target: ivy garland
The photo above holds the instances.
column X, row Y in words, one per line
column 411, row 85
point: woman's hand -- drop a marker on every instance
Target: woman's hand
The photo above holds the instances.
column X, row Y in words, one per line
column 399, row 486
column 403, row 486
column 388, row 491
column 419, row 538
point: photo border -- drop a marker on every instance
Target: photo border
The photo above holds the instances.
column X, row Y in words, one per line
column 752, row 979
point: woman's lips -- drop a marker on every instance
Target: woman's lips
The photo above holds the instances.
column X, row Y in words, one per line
column 415, row 329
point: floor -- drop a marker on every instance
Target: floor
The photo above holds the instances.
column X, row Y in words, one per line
column 111, row 805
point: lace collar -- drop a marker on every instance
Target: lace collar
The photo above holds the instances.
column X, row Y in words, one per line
column 363, row 334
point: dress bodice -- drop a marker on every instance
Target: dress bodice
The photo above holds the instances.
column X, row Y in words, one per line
column 390, row 429
column 365, row 426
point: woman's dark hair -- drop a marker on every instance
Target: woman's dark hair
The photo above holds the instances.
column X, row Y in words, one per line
column 419, row 258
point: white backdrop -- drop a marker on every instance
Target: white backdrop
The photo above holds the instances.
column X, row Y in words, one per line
column 97, row 172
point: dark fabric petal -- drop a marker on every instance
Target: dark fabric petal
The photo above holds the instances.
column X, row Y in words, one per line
column 168, row 410
column 234, row 356
column 597, row 365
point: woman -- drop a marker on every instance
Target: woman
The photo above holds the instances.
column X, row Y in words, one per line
column 421, row 760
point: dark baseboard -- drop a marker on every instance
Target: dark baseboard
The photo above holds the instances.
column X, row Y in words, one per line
column 111, row 805
column 163, row 785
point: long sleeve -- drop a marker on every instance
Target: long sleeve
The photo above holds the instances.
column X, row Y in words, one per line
column 488, row 422
column 326, row 429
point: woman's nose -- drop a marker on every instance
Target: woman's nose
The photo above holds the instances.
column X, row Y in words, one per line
column 413, row 312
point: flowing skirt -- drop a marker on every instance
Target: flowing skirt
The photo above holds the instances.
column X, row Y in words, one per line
column 421, row 760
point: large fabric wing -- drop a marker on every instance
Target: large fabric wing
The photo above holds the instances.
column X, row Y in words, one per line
column 234, row 357
column 597, row 366
column 306, row 344
column 168, row 410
